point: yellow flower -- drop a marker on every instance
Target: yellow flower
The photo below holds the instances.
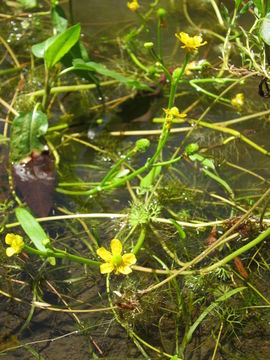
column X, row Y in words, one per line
column 238, row 101
column 16, row 244
column 190, row 43
column 114, row 261
column 133, row 5
column 174, row 113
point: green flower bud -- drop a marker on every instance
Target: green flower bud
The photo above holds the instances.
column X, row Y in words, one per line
column 175, row 75
column 142, row 145
column 192, row 148
column 161, row 13
column 148, row 45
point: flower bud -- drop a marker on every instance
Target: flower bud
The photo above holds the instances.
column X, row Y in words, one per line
column 192, row 148
column 142, row 145
column 161, row 13
column 148, row 45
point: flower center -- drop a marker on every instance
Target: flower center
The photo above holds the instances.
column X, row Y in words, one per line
column 117, row 259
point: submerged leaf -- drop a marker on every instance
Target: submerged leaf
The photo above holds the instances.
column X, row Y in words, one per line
column 27, row 133
column 179, row 229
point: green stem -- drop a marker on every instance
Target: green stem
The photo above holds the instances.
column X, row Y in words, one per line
column 140, row 241
column 135, row 59
column 175, row 82
column 238, row 252
column 72, row 88
column 11, row 71
column 63, row 255
column 159, row 39
column 116, row 166
column 46, row 88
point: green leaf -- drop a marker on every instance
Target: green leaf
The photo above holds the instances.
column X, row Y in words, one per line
column 206, row 312
column 120, row 174
column 246, row 7
column 103, row 70
column 148, row 180
column 179, row 229
column 219, row 180
column 32, row 229
column 39, row 49
column 259, row 6
column 28, row 4
column 59, row 20
column 27, row 133
column 61, row 45
column 265, row 29
column 206, row 163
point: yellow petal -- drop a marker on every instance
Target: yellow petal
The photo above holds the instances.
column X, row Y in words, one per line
column 129, row 259
column 9, row 238
column 106, row 268
column 124, row 269
column 104, row 254
column 116, row 247
column 10, row 251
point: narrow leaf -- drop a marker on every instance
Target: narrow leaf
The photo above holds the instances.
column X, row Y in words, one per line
column 61, row 45
column 179, row 229
column 103, row 70
column 206, row 312
column 219, row 180
column 32, row 228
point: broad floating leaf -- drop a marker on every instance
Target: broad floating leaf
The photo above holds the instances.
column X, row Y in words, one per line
column 32, row 229
column 27, row 133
